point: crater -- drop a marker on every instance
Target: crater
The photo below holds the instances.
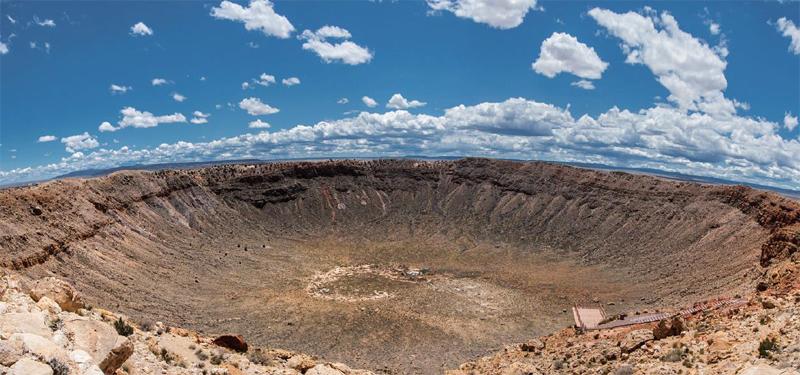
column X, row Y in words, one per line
column 363, row 283
column 396, row 266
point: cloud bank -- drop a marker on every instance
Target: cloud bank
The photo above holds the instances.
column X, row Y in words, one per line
column 666, row 138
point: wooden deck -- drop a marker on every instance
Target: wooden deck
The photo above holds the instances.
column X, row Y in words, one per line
column 588, row 318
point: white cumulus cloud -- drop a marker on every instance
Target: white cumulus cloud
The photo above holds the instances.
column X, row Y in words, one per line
column 141, row 29
column 789, row 30
column 3, row 48
column 344, row 101
column 291, row 81
column 501, row 14
column 345, row 51
column 259, row 15
column 369, row 102
column 562, row 52
column 199, row 117
column 178, row 97
column 789, row 121
column 264, row 79
column 119, row 89
column 131, row 117
column 397, row 101
column 584, row 84
column 77, row 142
column 143, row 119
column 690, row 69
column 714, row 28
column 106, row 126
column 258, row 124
column 255, row 107
column 46, row 138
column 159, row 81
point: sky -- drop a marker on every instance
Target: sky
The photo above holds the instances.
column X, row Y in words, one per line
column 709, row 89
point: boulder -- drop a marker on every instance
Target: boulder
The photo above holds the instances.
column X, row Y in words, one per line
column 635, row 339
column 24, row 322
column 301, row 362
column 59, row 291
column 100, row 341
column 534, row 345
column 85, row 362
column 341, row 367
column 233, row 342
column 720, row 348
column 10, row 352
column 29, row 366
column 323, row 370
column 49, row 306
column 117, row 356
column 669, row 327
column 232, row 370
column 39, row 346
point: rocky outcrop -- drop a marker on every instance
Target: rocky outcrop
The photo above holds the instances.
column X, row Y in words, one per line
column 782, row 245
column 232, row 342
column 727, row 342
column 37, row 337
column 122, row 350
column 669, row 327
column 60, row 292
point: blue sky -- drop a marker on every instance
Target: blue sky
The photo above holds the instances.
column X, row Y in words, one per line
column 702, row 88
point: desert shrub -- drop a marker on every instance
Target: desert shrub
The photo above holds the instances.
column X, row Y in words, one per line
column 147, row 325
column 124, row 329
column 166, row 356
column 767, row 346
column 624, row 370
column 217, row 358
column 58, row 367
column 201, row 355
column 258, row 357
column 674, row 355
column 55, row 324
